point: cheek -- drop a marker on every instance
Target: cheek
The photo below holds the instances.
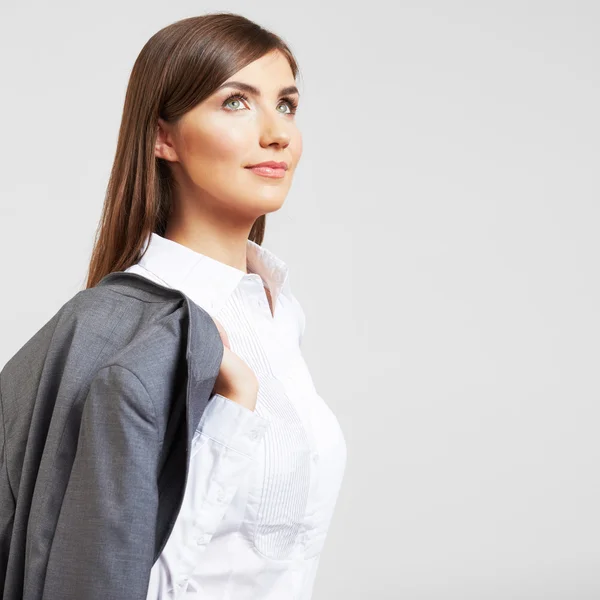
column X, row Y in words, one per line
column 215, row 160
column 297, row 150
column 214, row 148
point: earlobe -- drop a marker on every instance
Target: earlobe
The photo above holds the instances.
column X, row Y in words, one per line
column 164, row 151
column 159, row 150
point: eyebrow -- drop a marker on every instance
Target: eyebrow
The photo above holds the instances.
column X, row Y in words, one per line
column 292, row 89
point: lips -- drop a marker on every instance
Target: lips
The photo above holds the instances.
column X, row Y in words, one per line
column 271, row 164
column 267, row 169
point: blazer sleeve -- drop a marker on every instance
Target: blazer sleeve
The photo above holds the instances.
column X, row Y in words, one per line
column 223, row 449
column 104, row 540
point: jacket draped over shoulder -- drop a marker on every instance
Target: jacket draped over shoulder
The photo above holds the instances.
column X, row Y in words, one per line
column 98, row 413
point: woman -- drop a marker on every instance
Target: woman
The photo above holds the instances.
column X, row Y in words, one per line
column 210, row 100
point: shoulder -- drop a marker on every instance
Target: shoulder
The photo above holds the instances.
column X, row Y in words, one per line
column 96, row 327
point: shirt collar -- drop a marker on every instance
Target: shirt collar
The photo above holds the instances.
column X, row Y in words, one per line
column 207, row 281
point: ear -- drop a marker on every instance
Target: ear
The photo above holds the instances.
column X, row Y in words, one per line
column 163, row 146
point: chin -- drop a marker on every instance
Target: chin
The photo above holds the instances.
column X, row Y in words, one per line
column 264, row 198
column 269, row 205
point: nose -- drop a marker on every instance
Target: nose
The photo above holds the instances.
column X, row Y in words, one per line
column 275, row 131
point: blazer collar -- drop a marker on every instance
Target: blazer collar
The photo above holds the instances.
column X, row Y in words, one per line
column 209, row 282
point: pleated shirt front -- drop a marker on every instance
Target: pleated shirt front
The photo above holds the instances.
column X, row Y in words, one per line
column 262, row 484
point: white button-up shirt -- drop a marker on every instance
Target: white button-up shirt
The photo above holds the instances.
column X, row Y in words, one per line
column 262, row 484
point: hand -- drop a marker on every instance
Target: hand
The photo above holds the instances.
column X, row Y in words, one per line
column 235, row 380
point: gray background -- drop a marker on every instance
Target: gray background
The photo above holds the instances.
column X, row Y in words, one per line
column 442, row 236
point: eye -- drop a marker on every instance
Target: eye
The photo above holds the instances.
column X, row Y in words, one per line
column 291, row 102
column 235, row 96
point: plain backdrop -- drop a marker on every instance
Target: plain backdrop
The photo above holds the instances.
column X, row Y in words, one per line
column 442, row 238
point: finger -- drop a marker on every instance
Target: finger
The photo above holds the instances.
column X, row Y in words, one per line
column 222, row 333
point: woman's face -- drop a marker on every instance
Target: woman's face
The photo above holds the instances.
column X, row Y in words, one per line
column 212, row 145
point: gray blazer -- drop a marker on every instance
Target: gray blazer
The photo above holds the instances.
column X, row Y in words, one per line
column 98, row 412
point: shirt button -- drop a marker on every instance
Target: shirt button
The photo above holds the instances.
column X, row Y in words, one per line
column 221, row 496
column 253, row 434
column 315, row 457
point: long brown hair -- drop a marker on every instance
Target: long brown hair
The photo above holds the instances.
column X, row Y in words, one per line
column 178, row 67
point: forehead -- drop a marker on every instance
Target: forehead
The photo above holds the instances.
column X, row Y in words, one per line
column 269, row 72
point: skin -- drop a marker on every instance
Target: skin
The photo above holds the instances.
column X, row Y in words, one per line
column 216, row 199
